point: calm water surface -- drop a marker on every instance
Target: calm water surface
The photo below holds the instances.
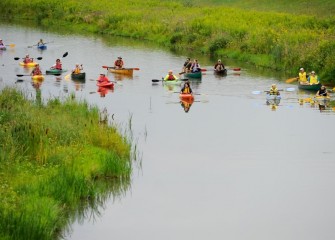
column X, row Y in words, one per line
column 233, row 167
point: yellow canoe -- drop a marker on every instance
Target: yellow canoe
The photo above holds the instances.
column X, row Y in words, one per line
column 37, row 77
column 125, row 71
column 31, row 64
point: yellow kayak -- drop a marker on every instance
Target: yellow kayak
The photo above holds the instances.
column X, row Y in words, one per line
column 37, row 77
column 31, row 64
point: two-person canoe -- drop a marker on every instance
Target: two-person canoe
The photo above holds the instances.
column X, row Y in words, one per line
column 79, row 76
column 54, row 71
column 193, row 74
column 124, row 71
column 310, row 87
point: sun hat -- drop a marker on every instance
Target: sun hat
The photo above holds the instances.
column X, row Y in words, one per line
column 312, row 72
column 301, row 69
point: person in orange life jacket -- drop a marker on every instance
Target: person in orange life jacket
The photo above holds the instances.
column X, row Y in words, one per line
column 27, row 59
column 58, row 65
column 36, row 71
column 322, row 92
column 103, row 78
column 219, row 66
column 186, row 88
column 77, row 69
column 195, row 66
column 118, row 63
column 313, row 78
column 170, row 76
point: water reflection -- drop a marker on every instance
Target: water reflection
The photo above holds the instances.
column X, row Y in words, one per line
column 186, row 104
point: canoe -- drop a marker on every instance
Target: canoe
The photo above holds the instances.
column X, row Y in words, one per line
column 3, row 48
column 172, row 82
column 125, row 71
column 186, row 96
column 220, row 72
column 31, row 64
column 313, row 87
column 37, row 77
column 78, row 75
column 106, row 84
column 193, row 74
column 42, row 47
column 54, row 71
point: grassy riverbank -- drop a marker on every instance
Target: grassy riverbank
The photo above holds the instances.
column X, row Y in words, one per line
column 272, row 39
column 55, row 159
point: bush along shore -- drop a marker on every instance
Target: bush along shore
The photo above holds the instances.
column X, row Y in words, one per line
column 279, row 41
column 56, row 160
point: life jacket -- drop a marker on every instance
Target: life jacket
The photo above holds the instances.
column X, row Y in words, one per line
column 302, row 77
column 103, row 79
column 118, row 63
column 186, row 90
column 58, row 66
column 37, row 72
column 27, row 60
column 313, row 79
column 76, row 70
column 171, row 77
column 273, row 91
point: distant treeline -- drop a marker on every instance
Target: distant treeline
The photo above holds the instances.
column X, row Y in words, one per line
column 279, row 41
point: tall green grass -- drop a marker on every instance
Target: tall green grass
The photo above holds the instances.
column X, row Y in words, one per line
column 276, row 40
column 55, row 161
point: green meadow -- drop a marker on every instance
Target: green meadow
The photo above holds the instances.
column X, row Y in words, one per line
column 57, row 160
column 278, row 35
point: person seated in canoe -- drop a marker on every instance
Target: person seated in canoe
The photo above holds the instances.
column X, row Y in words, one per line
column 103, row 78
column 186, row 89
column 27, row 59
column 187, row 65
column 322, row 92
column 36, row 71
column 118, row 64
column 302, row 77
column 219, row 67
column 195, row 67
column 170, row 76
column 1, row 43
column 40, row 43
column 57, row 65
column 313, row 78
column 273, row 90
column 77, row 69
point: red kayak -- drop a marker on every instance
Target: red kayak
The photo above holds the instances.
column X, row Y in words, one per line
column 106, row 84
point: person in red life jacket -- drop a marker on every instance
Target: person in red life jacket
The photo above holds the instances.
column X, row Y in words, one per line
column 170, row 76
column 186, row 89
column 103, row 79
column 27, row 59
column 58, row 65
column 36, row 71
column 118, row 64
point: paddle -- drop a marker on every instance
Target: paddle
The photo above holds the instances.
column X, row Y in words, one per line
column 38, row 58
column 37, row 44
column 159, row 80
column 10, row 45
column 200, row 94
column 119, row 83
column 119, row 68
column 290, row 80
column 22, row 75
column 287, row 89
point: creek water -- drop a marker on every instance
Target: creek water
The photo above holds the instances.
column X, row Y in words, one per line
column 232, row 167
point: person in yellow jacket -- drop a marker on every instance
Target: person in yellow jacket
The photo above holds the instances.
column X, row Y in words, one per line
column 77, row 69
column 186, row 88
column 273, row 90
column 313, row 78
column 170, row 76
column 302, row 76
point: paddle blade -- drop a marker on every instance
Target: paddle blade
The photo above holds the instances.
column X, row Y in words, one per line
column 156, row 80
column 11, row 45
column 203, row 69
column 290, row 89
column 16, row 58
column 136, row 69
column 236, row 69
column 65, row 54
column 39, row 58
column 256, row 92
column 105, row 67
column 21, row 75
column 290, row 80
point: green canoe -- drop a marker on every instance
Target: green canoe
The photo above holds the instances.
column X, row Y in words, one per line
column 54, row 71
column 313, row 87
column 193, row 74
column 78, row 75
